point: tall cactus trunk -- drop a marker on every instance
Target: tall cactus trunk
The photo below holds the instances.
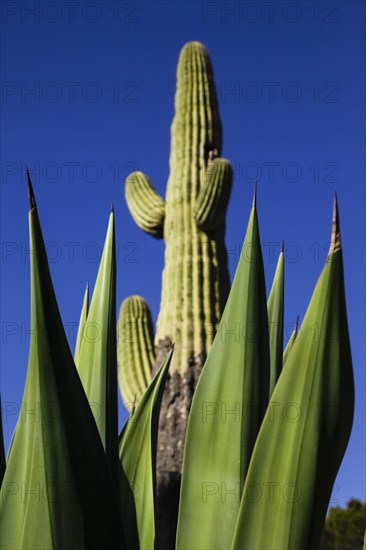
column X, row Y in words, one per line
column 195, row 278
column 195, row 281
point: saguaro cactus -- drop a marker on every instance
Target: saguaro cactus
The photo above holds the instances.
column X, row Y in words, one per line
column 195, row 281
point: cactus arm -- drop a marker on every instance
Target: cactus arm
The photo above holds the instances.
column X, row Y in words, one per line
column 135, row 350
column 146, row 206
column 214, row 195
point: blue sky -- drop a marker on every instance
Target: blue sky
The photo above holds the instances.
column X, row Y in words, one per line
column 87, row 97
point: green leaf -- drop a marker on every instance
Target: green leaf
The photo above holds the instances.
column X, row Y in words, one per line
column 138, row 458
column 291, row 342
column 275, row 307
column 97, row 363
column 2, row 449
column 57, row 490
column 227, row 409
column 305, row 432
column 82, row 323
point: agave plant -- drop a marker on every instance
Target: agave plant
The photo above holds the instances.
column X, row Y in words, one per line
column 70, row 481
column 59, row 489
column 64, row 488
column 258, row 473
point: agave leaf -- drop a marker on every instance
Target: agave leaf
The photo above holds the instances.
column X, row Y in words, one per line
column 97, row 363
column 138, row 442
column 291, row 341
column 303, row 439
column 275, row 307
column 227, row 408
column 2, row 448
column 57, row 490
column 82, row 323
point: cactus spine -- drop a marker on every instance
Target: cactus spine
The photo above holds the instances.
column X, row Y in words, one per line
column 195, row 280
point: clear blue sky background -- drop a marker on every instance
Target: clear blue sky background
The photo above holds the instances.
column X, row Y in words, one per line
column 291, row 87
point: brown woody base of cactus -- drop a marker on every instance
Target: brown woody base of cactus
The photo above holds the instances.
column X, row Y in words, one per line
column 172, row 426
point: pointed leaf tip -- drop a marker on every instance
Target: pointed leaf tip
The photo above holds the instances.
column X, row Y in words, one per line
column 282, row 246
column 297, row 323
column 134, row 404
column 112, row 208
column 87, row 292
column 31, row 198
column 254, row 204
column 335, row 241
